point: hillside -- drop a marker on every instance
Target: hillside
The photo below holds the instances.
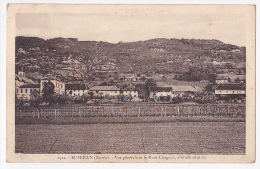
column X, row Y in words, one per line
column 163, row 55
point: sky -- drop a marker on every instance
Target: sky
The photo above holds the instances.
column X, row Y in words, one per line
column 129, row 25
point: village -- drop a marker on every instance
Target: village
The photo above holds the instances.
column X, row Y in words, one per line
column 128, row 88
column 63, row 71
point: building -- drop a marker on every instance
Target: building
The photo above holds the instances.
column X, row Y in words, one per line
column 221, row 80
column 76, row 89
column 128, row 77
column 182, row 91
column 230, row 90
column 24, row 91
column 160, row 92
column 59, row 86
column 21, row 74
column 134, row 92
column 105, row 90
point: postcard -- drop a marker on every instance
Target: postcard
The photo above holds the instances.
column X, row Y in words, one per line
column 130, row 83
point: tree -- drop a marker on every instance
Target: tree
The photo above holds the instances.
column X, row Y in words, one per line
column 130, row 97
column 209, row 87
column 87, row 67
column 91, row 94
column 149, row 83
column 35, row 98
column 48, row 91
column 237, row 80
column 212, row 78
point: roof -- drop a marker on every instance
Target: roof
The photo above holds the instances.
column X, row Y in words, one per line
column 221, row 78
column 75, row 87
column 160, row 89
column 104, row 88
column 232, row 86
column 30, row 85
column 130, row 88
column 125, row 75
column 48, row 78
column 184, row 89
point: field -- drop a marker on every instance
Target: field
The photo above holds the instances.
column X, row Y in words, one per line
column 86, row 114
column 134, row 138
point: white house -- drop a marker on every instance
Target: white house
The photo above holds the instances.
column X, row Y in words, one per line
column 59, row 86
column 75, row 89
column 221, row 80
column 130, row 91
column 183, row 90
column 230, row 89
column 105, row 90
column 24, row 91
column 157, row 92
column 21, row 74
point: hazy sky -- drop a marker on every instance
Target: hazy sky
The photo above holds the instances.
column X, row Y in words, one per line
column 129, row 25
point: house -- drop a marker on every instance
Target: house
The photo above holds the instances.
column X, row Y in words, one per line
column 105, row 90
column 221, row 80
column 21, row 74
column 24, row 91
column 59, row 86
column 182, row 91
column 131, row 91
column 22, row 78
column 75, row 89
column 232, row 90
column 128, row 77
column 160, row 92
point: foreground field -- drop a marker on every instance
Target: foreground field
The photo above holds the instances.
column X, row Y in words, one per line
column 132, row 138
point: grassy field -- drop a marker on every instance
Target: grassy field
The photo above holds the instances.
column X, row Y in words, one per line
column 132, row 138
column 124, row 120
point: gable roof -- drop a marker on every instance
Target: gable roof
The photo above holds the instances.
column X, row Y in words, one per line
column 184, row 89
column 131, row 88
column 75, row 87
column 221, row 78
column 30, row 85
column 232, row 86
column 104, row 88
column 126, row 75
column 160, row 89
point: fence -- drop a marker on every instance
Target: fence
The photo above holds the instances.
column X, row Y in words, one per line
column 83, row 111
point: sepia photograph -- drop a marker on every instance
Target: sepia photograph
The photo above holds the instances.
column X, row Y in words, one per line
column 131, row 83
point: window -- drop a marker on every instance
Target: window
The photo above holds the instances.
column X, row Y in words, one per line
column 233, row 92
column 61, row 85
column 21, row 90
column 30, row 90
column 56, row 84
column 115, row 91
